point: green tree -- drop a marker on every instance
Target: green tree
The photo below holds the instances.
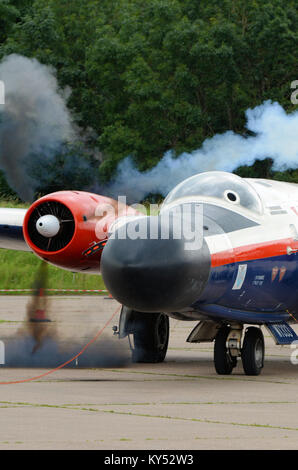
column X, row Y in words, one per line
column 8, row 17
column 160, row 75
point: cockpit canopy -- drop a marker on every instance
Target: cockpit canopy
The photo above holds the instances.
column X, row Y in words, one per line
column 218, row 185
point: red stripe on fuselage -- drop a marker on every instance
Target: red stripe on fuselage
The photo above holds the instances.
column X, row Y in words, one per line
column 253, row 251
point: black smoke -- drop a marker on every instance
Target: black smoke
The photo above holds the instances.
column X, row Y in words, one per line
column 38, row 139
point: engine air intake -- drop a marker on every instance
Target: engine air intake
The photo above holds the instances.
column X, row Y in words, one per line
column 40, row 236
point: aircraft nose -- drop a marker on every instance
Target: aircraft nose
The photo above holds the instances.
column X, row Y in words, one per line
column 156, row 273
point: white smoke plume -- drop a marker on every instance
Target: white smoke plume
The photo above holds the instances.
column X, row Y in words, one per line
column 34, row 119
column 275, row 136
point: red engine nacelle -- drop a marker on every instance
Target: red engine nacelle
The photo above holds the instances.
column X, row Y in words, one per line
column 63, row 228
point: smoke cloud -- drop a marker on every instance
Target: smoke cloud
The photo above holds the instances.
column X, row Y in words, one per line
column 34, row 119
column 275, row 136
column 35, row 124
column 39, row 343
column 55, row 350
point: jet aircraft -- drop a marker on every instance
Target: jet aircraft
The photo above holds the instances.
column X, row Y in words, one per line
column 221, row 252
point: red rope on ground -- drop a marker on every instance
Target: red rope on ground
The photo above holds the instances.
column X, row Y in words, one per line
column 292, row 315
column 70, row 360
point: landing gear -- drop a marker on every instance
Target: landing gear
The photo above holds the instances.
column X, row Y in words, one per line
column 227, row 348
column 223, row 360
column 253, row 351
column 150, row 337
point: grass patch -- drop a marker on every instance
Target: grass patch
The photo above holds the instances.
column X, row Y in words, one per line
column 18, row 270
column 13, row 203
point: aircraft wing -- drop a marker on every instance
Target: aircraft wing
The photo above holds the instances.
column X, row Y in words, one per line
column 11, row 229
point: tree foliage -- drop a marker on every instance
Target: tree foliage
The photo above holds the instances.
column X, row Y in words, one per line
column 159, row 75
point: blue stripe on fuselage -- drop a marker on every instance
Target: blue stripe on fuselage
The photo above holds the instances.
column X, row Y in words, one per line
column 268, row 290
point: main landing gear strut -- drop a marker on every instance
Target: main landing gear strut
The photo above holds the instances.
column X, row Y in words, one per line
column 227, row 349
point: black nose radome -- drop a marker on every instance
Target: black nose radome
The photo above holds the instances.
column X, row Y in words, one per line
column 154, row 274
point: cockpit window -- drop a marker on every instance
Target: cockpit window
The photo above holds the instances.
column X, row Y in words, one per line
column 221, row 186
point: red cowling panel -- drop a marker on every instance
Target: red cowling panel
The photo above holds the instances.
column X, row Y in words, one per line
column 93, row 215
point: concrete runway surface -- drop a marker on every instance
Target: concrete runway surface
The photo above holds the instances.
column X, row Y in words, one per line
column 180, row 404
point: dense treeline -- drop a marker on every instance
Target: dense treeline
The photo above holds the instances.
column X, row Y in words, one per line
column 163, row 74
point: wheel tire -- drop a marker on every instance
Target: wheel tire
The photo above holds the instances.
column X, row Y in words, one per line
column 253, row 351
column 151, row 337
column 224, row 363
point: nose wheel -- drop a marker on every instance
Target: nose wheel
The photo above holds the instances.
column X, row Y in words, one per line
column 227, row 347
column 150, row 337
